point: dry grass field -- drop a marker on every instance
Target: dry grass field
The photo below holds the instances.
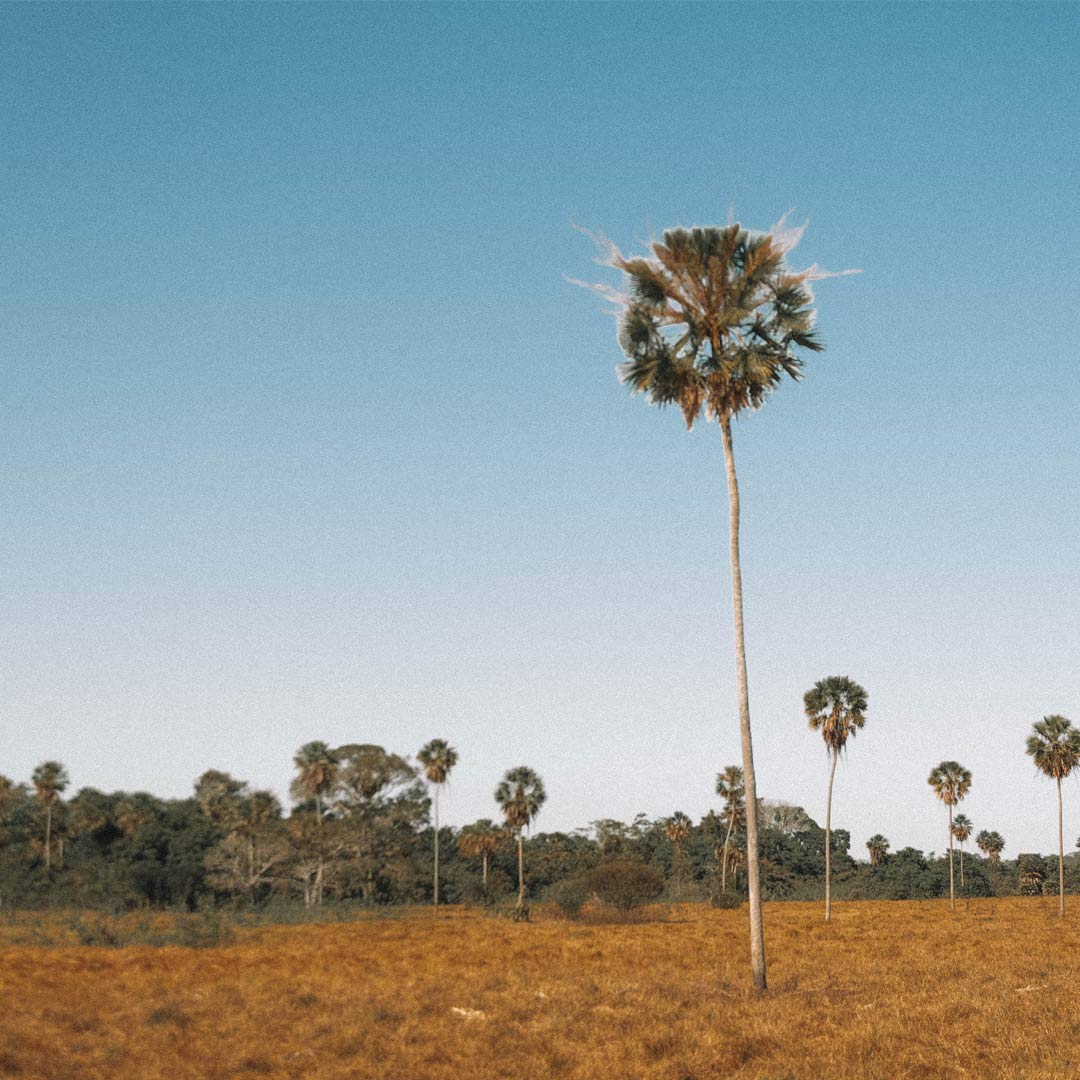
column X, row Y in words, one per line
column 904, row 990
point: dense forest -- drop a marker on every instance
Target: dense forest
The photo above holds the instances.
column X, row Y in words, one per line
column 360, row 829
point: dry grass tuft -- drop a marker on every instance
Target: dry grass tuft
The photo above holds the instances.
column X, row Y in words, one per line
column 889, row 990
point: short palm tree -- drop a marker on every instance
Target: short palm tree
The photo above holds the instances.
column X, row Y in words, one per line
column 1054, row 746
column 50, row 780
column 520, row 795
column 437, row 757
column 480, row 840
column 836, row 707
column 951, row 782
column 878, row 846
column 991, row 844
column 677, row 829
column 961, row 829
column 730, row 788
column 711, row 324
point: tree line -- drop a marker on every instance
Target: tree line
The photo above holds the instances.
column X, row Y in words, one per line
column 363, row 827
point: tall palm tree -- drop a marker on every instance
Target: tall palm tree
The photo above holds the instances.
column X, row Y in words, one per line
column 991, row 844
column 730, row 787
column 317, row 772
column 711, row 324
column 677, row 829
column 951, row 782
column 50, row 780
column 520, row 795
column 961, row 829
column 836, row 707
column 1054, row 746
column 480, row 840
column 878, row 846
column 437, row 757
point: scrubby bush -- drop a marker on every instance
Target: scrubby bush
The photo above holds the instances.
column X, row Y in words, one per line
column 727, row 900
column 625, row 884
column 569, row 895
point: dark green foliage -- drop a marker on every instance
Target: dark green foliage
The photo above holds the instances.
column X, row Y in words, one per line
column 625, row 884
column 570, row 894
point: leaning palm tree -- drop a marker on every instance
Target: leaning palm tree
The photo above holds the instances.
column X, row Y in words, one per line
column 50, row 780
column 730, row 787
column 991, row 844
column 1054, row 746
column 438, row 757
column 480, row 840
column 878, row 846
column 951, row 782
column 836, row 707
column 677, row 829
column 711, row 324
column 520, row 795
column 961, row 829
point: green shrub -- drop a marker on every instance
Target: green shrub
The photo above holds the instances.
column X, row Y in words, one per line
column 625, row 884
column 727, row 901
column 569, row 895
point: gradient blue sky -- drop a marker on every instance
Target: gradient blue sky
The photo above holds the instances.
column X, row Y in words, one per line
column 305, row 435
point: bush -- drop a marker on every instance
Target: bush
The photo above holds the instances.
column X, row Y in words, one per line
column 727, row 901
column 625, row 883
column 569, row 895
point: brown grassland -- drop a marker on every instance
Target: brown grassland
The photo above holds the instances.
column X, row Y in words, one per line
column 897, row 989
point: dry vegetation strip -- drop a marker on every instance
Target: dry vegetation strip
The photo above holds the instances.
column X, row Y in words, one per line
column 888, row 990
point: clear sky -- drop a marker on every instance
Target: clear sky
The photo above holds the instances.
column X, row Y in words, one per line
column 305, row 435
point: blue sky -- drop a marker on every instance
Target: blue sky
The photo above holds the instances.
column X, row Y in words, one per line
column 306, row 435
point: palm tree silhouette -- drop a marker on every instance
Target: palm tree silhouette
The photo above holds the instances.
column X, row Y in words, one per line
column 878, row 846
column 711, row 324
column 730, row 787
column 677, row 829
column 50, row 780
column 951, row 782
column 480, row 840
column 520, row 795
column 1054, row 746
column 438, row 757
column 961, row 829
column 836, row 707
column 991, row 844
column 317, row 772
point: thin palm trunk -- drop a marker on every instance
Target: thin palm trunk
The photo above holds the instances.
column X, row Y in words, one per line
column 319, row 869
column 757, row 930
column 48, row 835
column 952, row 891
column 484, row 874
column 521, row 874
column 436, row 850
column 961, row 865
column 1061, row 856
column 828, row 841
column 727, row 840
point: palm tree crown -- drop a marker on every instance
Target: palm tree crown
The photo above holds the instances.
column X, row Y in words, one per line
column 950, row 781
column 962, row 827
column 878, row 846
column 836, row 707
column 713, row 319
column 1054, row 746
column 991, row 844
column 520, row 795
column 50, row 779
column 730, row 788
column 677, row 827
column 317, row 769
column 438, row 757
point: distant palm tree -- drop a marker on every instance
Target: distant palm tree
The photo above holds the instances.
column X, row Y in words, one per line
column 50, row 780
column 520, row 795
column 1054, row 746
column 730, row 787
column 711, row 324
column 317, row 771
column 991, row 844
column 961, row 829
column 677, row 829
column 480, row 840
column 836, row 707
column 951, row 782
column 878, row 846
column 438, row 757
column 255, row 811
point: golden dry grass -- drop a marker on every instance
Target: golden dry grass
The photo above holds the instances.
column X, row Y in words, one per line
column 900, row 990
